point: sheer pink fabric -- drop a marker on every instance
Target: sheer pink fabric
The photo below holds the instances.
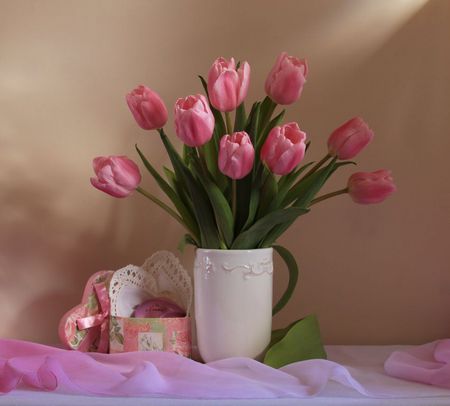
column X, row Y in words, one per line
column 25, row 364
column 429, row 363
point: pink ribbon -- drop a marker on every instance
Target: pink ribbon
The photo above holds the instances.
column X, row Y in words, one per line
column 101, row 319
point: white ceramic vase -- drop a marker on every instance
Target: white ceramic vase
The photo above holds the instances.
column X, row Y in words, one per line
column 233, row 302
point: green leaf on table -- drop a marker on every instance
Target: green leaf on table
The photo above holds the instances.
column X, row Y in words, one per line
column 300, row 341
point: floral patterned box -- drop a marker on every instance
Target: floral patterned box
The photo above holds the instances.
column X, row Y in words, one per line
column 159, row 334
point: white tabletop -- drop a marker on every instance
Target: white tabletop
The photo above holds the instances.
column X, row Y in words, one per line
column 365, row 363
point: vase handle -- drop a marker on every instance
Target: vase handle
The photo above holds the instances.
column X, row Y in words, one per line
column 292, row 266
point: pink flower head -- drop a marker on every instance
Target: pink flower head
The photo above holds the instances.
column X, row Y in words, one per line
column 116, row 175
column 228, row 87
column 371, row 187
column 349, row 139
column 285, row 82
column 236, row 155
column 194, row 121
column 147, row 107
column 284, row 148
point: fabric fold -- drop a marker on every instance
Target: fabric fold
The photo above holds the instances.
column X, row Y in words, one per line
column 29, row 365
column 428, row 363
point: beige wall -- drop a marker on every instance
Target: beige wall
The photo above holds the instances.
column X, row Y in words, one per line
column 372, row 274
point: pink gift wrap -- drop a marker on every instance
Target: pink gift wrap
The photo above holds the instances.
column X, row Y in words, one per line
column 172, row 334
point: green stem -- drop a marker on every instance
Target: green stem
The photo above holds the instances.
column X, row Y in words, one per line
column 329, row 195
column 228, row 121
column 317, row 165
column 233, row 197
column 161, row 204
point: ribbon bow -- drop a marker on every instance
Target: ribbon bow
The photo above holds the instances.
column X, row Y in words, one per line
column 101, row 319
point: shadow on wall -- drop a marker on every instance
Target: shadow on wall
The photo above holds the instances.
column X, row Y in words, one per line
column 52, row 262
column 403, row 91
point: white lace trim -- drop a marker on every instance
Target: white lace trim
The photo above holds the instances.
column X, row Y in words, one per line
column 161, row 275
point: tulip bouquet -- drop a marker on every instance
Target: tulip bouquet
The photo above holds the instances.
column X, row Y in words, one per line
column 240, row 181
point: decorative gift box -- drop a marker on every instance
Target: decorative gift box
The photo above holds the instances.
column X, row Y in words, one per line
column 160, row 276
column 104, row 320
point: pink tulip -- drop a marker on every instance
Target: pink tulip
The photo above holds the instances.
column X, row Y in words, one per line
column 236, row 155
column 194, row 121
column 147, row 107
column 349, row 139
column 116, row 175
column 228, row 87
column 285, row 82
column 284, row 148
column 157, row 308
column 371, row 187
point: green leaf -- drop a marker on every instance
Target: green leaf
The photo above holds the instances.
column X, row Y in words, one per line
column 186, row 240
column 286, row 181
column 240, row 118
column 183, row 210
column 250, row 238
column 312, row 184
column 222, row 211
column 202, row 209
column 266, row 129
column 269, row 192
column 250, row 117
column 267, row 109
column 284, row 185
column 291, row 264
column 170, row 175
column 252, row 206
column 305, row 189
column 220, row 128
column 253, row 125
column 301, row 342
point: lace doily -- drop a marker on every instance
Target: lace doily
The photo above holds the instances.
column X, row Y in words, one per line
column 161, row 275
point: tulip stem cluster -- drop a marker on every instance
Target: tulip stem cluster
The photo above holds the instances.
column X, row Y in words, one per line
column 241, row 185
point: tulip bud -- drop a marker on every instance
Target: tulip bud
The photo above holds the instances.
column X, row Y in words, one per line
column 236, row 155
column 284, row 148
column 228, row 87
column 147, row 107
column 285, row 82
column 349, row 139
column 194, row 121
column 371, row 187
column 116, row 175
